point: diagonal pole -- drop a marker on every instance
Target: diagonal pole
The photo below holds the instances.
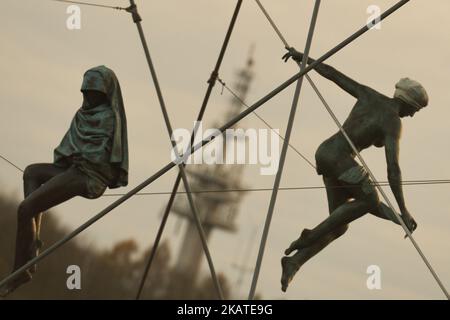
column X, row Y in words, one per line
column 284, row 150
column 196, row 147
column 211, row 83
column 137, row 20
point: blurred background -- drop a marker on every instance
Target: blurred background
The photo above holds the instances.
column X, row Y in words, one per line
column 42, row 64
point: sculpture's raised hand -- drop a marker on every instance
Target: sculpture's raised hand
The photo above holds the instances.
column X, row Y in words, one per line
column 409, row 221
column 294, row 54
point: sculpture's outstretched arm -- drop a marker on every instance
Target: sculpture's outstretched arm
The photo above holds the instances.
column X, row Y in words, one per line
column 346, row 83
column 394, row 173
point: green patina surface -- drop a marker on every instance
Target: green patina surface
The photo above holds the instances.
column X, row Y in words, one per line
column 96, row 141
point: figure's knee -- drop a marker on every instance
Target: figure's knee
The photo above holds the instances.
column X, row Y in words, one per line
column 31, row 172
column 340, row 231
column 25, row 211
column 373, row 201
column 368, row 195
column 321, row 155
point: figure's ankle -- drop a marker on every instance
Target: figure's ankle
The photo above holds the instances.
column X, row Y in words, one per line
column 305, row 240
column 296, row 261
column 39, row 244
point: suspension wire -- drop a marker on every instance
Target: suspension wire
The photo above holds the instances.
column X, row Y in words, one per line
column 211, row 83
column 11, row 163
column 194, row 148
column 383, row 183
column 91, row 4
column 284, row 150
column 242, row 102
column 137, row 20
column 361, row 159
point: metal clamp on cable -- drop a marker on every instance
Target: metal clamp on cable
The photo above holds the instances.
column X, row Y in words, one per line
column 212, row 79
column 134, row 12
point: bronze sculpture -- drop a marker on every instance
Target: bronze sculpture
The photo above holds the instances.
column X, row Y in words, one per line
column 375, row 120
column 92, row 156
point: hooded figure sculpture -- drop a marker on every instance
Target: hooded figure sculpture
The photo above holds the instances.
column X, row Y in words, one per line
column 92, row 156
column 97, row 138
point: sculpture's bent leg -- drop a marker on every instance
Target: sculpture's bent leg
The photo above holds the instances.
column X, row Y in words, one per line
column 56, row 190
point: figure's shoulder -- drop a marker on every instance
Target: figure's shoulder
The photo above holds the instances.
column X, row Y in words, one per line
column 392, row 124
column 371, row 93
column 381, row 101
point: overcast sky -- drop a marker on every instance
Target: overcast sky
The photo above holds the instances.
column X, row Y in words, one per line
column 42, row 63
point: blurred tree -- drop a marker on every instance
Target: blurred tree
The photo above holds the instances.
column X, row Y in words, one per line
column 107, row 274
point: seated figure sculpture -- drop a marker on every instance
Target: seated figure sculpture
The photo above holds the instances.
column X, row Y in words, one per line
column 92, row 156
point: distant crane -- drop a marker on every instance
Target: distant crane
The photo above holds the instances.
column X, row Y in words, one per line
column 217, row 210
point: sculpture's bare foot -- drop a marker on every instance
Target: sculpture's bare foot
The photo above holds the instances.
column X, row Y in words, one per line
column 299, row 243
column 11, row 286
column 289, row 269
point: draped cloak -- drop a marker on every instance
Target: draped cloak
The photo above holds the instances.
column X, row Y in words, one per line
column 96, row 141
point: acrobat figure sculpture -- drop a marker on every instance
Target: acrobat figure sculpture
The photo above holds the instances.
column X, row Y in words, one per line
column 92, row 156
column 375, row 120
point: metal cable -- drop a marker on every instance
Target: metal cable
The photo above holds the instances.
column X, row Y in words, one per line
column 91, row 4
column 11, row 163
column 381, row 183
column 384, row 184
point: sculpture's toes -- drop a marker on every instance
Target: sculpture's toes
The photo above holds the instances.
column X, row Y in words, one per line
column 291, row 248
column 289, row 269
